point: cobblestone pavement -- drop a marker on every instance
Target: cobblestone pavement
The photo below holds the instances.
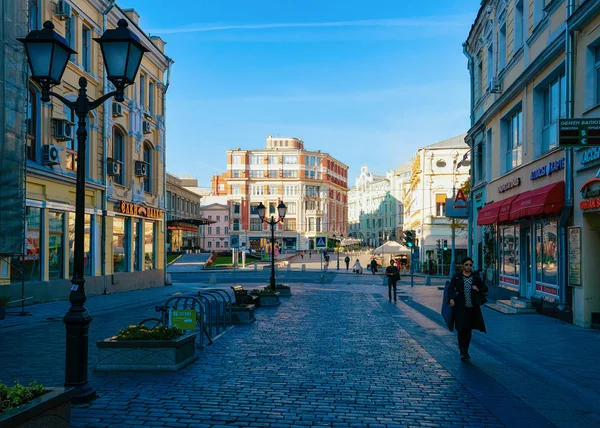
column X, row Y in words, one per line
column 336, row 354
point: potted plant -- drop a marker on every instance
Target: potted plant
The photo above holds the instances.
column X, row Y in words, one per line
column 268, row 297
column 35, row 405
column 139, row 348
column 284, row 290
column 3, row 304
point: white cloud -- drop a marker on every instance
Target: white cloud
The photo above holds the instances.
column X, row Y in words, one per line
column 433, row 22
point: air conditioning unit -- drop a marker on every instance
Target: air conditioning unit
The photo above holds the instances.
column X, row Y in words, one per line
column 117, row 109
column 146, row 128
column 495, row 85
column 62, row 10
column 113, row 167
column 50, row 154
column 63, row 130
column 141, row 168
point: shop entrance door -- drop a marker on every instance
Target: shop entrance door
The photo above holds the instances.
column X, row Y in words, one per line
column 526, row 289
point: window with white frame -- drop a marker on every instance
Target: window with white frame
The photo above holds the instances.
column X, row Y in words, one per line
column 291, row 207
column 86, row 47
column 256, row 189
column 236, row 159
column 256, row 174
column 555, row 107
column 513, row 126
column 519, row 25
column 236, row 224
column 273, row 159
column 218, row 230
column 273, row 189
column 290, row 190
column 273, row 173
column 290, row 173
column 255, row 224
column 256, row 160
column 236, row 173
column 236, row 190
column 290, row 159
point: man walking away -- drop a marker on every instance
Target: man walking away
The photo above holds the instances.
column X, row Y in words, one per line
column 373, row 266
column 393, row 274
column 347, row 261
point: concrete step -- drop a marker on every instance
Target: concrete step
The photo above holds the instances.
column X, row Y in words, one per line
column 519, row 302
column 505, row 307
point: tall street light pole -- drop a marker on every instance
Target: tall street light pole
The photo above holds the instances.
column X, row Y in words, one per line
column 281, row 210
column 48, row 54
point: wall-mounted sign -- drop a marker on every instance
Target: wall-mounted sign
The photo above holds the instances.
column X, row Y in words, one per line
column 457, row 207
column 141, row 210
column 591, row 188
column 548, row 169
column 506, row 186
column 590, row 155
column 578, row 132
column 575, row 256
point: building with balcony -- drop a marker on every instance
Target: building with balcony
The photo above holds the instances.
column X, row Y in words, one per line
column 436, row 174
column 312, row 184
column 534, row 214
column 125, row 189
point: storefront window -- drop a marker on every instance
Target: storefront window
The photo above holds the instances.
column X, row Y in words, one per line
column 136, row 239
column 87, row 260
column 149, row 245
column 119, row 245
column 32, row 267
column 55, row 245
column 546, row 252
column 509, row 251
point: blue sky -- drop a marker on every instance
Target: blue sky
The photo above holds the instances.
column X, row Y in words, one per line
column 368, row 81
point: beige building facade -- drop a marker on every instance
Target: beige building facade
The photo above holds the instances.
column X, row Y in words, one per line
column 125, row 165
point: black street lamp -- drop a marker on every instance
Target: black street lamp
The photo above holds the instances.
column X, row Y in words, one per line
column 281, row 210
column 337, row 245
column 48, row 55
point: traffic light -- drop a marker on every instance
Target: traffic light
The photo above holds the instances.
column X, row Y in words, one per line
column 409, row 238
column 445, row 244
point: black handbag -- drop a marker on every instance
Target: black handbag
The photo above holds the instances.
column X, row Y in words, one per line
column 478, row 298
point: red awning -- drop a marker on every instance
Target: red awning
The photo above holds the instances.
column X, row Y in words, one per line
column 504, row 212
column 545, row 200
column 489, row 214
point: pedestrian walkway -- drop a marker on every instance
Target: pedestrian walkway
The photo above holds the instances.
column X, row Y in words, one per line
column 332, row 354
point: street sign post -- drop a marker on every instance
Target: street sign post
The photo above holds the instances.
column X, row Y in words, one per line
column 578, row 132
column 320, row 242
column 234, row 241
column 183, row 320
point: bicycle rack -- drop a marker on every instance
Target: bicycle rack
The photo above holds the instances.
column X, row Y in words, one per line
column 222, row 302
column 192, row 303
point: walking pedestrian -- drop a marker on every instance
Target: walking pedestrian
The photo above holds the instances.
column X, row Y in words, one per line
column 347, row 261
column 357, row 267
column 393, row 275
column 467, row 292
column 373, row 266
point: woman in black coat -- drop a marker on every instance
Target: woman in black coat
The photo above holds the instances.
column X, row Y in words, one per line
column 467, row 292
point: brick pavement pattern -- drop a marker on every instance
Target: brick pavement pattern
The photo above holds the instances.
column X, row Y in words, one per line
column 322, row 358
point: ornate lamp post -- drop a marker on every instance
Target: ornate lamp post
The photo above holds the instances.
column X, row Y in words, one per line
column 281, row 210
column 48, row 55
column 337, row 245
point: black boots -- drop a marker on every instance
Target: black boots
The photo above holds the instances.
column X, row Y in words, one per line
column 464, row 354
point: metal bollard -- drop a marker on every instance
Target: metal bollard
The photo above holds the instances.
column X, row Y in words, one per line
column 303, row 267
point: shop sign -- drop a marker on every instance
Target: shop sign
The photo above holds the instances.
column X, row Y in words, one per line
column 590, row 204
column 506, row 186
column 575, row 256
column 590, row 189
column 184, row 228
column 135, row 209
column 548, row 169
column 457, row 207
column 590, row 155
column 183, row 320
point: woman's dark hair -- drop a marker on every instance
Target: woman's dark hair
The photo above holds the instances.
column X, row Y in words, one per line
column 466, row 259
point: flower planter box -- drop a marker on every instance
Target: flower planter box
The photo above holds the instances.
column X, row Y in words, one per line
column 269, row 299
column 146, row 355
column 52, row 409
column 242, row 314
column 284, row 291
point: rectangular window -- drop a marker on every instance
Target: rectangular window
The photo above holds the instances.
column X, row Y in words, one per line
column 253, row 210
column 255, row 224
column 546, row 252
column 209, row 244
column 236, row 160
column 86, row 47
column 210, row 230
column 272, row 173
column 538, row 10
column 256, row 160
column 490, row 65
column 236, row 224
column 440, row 205
column 218, row 218
column 555, row 107
column 151, row 98
column 291, row 207
column 236, row 190
column 32, row 263
column 272, row 208
column 87, row 262
column 509, row 251
column 218, row 230
column 226, row 230
column 502, row 48
column 289, row 224
column 273, row 159
column 143, row 91
column 149, row 245
column 256, row 174
column 290, row 159
column 119, row 245
column 514, row 141
column 290, row 173
column 217, row 244
column 55, row 245
column 136, row 228
column 311, row 224
column 236, row 208
column 70, row 33
column 479, row 161
column 479, row 80
column 273, row 189
column 519, row 25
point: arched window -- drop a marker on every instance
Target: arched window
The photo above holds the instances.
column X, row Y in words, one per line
column 118, row 154
column 148, row 160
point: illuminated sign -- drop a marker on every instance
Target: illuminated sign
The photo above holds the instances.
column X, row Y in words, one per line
column 140, row 210
column 548, row 169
